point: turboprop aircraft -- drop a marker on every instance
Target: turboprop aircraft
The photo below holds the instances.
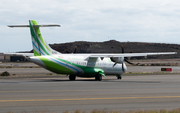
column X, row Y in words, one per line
column 81, row 65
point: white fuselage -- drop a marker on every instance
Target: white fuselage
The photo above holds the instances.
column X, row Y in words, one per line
column 78, row 64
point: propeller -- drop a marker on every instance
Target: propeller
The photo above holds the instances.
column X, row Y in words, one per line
column 125, row 58
column 114, row 64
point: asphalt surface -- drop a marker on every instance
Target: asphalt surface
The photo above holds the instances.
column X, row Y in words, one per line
column 58, row 94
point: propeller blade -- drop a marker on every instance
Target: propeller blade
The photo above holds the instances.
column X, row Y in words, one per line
column 127, row 61
column 125, row 58
column 114, row 64
column 123, row 67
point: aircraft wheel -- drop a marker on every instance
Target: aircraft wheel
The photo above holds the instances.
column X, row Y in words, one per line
column 98, row 77
column 72, row 77
column 119, row 77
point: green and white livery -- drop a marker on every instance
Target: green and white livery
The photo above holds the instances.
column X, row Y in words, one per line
column 40, row 47
column 81, row 65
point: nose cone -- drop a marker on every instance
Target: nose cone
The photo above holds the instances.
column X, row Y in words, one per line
column 37, row 61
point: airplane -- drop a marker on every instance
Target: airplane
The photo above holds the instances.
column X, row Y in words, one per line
column 76, row 65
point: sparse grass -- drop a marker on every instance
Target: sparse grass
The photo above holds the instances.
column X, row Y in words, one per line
column 131, row 111
column 49, row 74
column 9, row 67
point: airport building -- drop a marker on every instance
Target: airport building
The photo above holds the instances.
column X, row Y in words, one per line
column 1, row 56
column 11, row 58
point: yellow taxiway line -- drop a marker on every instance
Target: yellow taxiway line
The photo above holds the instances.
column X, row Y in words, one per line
column 76, row 99
column 85, row 90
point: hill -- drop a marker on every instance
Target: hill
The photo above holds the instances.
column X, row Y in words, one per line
column 114, row 46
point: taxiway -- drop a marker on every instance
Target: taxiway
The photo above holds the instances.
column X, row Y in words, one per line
column 58, row 94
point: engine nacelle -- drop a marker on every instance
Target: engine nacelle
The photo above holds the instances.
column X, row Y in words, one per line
column 117, row 59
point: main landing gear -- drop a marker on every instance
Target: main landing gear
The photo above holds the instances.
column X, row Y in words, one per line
column 98, row 77
column 72, row 77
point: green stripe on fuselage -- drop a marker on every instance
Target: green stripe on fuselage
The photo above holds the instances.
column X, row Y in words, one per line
column 60, row 69
column 54, row 67
column 88, row 71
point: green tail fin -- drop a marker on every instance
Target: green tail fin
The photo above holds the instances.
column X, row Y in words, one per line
column 40, row 47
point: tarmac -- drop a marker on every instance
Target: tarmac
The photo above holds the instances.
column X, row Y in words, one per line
column 58, row 94
column 55, row 93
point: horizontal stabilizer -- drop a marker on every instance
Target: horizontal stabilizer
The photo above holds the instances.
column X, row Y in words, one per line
column 53, row 25
column 19, row 54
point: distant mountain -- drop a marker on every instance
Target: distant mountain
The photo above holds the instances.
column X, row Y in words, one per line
column 114, row 46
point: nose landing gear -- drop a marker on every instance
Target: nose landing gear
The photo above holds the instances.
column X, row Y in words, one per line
column 119, row 76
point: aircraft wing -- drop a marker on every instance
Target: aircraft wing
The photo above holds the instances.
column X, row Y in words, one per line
column 108, row 55
column 103, row 55
column 20, row 54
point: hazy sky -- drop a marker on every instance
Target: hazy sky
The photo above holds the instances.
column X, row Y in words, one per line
column 90, row 20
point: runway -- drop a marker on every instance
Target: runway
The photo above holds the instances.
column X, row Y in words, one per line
column 58, row 94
